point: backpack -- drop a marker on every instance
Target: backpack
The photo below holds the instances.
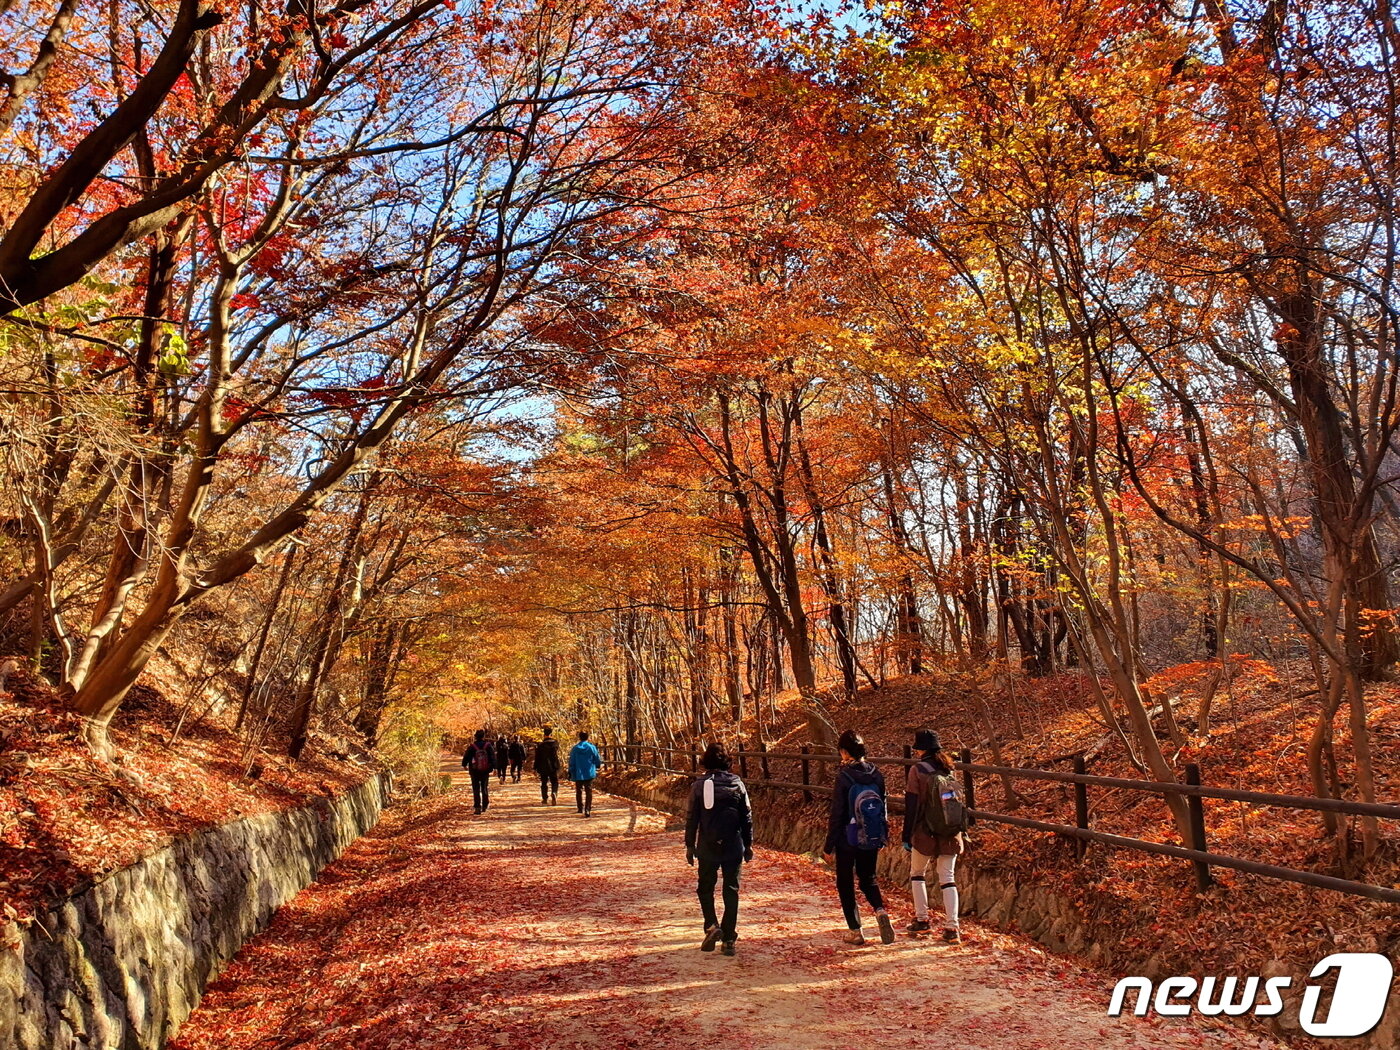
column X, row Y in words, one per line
column 869, row 827
column 722, row 812
column 941, row 809
column 482, row 761
column 547, row 756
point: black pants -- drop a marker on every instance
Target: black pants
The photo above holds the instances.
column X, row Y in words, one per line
column 583, row 791
column 515, row 768
column 549, row 786
column 501, row 772
column 851, row 863
column 729, row 889
column 481, row 789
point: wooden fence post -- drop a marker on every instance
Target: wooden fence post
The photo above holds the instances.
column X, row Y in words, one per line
column 763, row 746
column 806, row 772
column 1081, row 806
column 969, row 789
column 694, row 760
column 743, row 761
column 1196, row 805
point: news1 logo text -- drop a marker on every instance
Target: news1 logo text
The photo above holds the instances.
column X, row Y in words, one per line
column 1358, row 997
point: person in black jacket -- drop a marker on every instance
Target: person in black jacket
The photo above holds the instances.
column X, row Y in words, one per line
column 479, row 760
column 517, row 759
column 547, row 768
column 502, row 756
column 719, row 832
column 849, row 836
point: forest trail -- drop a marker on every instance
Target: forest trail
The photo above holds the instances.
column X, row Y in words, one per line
column 534, row 927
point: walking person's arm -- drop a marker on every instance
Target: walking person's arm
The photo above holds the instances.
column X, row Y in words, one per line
column 746, row 823
column 836, row 824
column 912, row 798
column 692, row 822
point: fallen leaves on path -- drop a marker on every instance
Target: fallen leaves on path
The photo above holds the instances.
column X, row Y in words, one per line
column 532, row 926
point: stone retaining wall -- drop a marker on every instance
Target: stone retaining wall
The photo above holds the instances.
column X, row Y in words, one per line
column 120, row 965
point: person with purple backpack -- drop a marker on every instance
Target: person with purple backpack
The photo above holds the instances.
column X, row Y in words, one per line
column 858, row 829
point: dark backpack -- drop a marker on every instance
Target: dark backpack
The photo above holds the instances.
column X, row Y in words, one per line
column 721, row 812
column 941, row 810
column 869, row 828
column 482, row 761
column 547, row 756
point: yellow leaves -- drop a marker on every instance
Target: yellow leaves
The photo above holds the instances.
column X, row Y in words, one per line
column 1287, row 527
column 1009, row 353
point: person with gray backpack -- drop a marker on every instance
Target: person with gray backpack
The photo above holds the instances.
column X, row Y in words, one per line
column 935, row 826
column 858, row 829
column 719, row 833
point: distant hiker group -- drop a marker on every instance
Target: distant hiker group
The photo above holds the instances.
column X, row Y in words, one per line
column 719, row 835
column 505, row 756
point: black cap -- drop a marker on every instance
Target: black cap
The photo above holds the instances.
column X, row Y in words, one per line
column 926, row 740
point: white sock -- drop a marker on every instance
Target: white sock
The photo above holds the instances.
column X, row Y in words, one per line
column 919, row 889
column 950, row 906
column 946, row 864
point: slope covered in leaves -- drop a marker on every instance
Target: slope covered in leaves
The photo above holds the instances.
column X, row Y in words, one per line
column 534, row 927
column 68, row 817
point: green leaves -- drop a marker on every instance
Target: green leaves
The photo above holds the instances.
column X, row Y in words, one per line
column 174, row 352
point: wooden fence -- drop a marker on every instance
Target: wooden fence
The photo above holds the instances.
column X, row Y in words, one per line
column 687, row 762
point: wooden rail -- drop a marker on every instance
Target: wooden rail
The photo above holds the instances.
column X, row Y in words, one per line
column 1197, row 851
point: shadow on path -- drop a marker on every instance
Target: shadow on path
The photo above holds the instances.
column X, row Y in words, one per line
column 532, row 926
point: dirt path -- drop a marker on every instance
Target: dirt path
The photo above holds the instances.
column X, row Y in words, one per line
column 534, row 927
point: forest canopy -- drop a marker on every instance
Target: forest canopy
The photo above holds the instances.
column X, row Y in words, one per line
column 635, row 364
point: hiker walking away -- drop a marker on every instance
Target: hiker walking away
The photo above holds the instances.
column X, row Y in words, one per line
column 857, row 830
column 547, row 767
column 584, row 761
column 479, row 760
column 719, row 833
column 502, row 756
column 935, row 826
column 517, row 758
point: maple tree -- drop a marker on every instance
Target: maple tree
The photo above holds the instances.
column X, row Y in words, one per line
column 322, row 297
column 1058, row 334
column 697, row 361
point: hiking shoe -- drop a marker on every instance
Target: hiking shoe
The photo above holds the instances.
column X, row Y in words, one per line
column 854, row 937
column 918, row 926
column 727, row 948
column 712, row 936
column 886, row 927
column 952, row 936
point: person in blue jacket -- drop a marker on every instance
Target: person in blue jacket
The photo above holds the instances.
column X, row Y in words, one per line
column 584, row 761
